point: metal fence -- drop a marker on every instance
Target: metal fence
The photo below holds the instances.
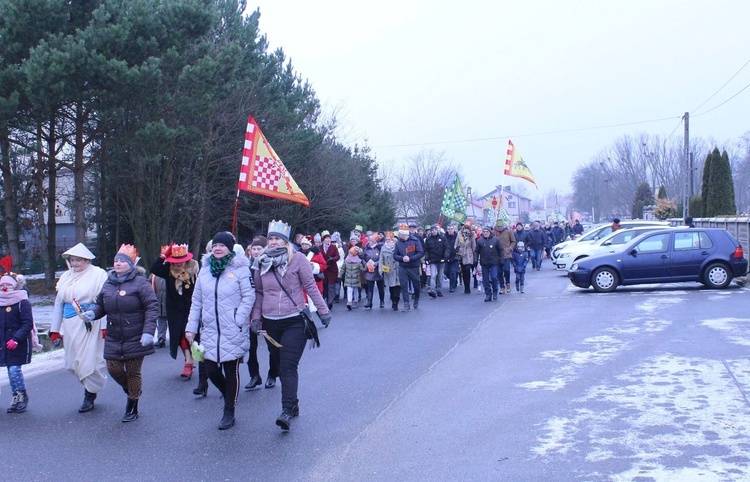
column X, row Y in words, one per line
column 739, row 227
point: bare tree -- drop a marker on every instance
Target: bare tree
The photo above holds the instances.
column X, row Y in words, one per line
column 419, row 185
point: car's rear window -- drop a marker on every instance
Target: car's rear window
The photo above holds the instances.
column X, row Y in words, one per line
column 692, row 240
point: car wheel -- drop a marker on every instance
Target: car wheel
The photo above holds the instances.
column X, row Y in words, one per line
column 604, row 280
column 717, row 276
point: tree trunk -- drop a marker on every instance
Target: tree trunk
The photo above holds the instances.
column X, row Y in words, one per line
column 10, row 204
column 39, row 200
column 79, row 199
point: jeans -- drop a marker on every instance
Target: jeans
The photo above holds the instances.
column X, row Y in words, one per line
column 290, row 333
column 436, row 276
column 536, row 256
column 489, row 279
column 161, row 329
column 406, row 275
column 451, row 270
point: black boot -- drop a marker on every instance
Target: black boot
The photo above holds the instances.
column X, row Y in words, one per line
column 369, row 302
column 394, row 305
column 131, row 411
column 227, row 421
column 14, row 404
column 88, row 402
column 23, row 401
column 382, row 303
column 285, row 419
column 255, row 382
column 416, row 302
column 202, row 388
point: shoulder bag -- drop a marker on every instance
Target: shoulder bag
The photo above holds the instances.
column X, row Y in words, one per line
column 311, row 331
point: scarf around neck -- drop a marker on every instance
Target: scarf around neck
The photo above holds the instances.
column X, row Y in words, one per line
column 219, row 265
column 10, row 298
column 113, row 278
column 272, row 258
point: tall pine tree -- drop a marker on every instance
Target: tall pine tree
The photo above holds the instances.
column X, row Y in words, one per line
column 720, row 202
column 643, row 197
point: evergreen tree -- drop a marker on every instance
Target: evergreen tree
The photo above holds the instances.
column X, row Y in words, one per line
column 662, row 192
column 721, row 187
column 643, row 197
column 706, row 182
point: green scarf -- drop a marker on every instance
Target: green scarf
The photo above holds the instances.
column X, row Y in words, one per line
column 219, row 265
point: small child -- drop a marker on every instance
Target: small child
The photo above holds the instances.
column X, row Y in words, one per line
column 16, row 325
column 520, row 260
column 350, row 274
column 478, row 279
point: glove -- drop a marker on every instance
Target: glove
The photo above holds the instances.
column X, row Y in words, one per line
column 147, row 339
column 104, row 333
column 12, row 344
column 325, row 319
column 166, row 251
column 88, row 315
column 254, row 326
column 55, row 338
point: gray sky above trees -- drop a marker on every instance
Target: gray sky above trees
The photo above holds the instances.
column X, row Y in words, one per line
column 464, row 77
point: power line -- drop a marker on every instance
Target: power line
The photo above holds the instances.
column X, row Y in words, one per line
column 714, row 108
column 719, row 89
column 564, row 131
column 673, row 131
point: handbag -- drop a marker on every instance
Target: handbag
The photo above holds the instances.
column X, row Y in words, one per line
column 311, row 331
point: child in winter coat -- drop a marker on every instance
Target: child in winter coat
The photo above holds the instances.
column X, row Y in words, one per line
column 350, row 274
column 16, row 325
column 520, row 260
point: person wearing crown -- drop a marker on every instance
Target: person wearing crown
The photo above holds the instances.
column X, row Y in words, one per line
column 282, row 277
column 176, row 265
column 409, row 253
column 84, row 348
column 16, row 325
column 131, row 308
column 220, row 311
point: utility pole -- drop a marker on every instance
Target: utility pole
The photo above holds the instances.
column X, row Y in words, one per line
column 692, row 175
column 686, row 199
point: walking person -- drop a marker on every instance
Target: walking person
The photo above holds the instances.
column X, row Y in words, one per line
column 537, row 240
column 372, row 271
column 84, row 344
column 351, row 273
column 489, row 255
column 466, row 244
column 388, row 268
column 330, row 253
column 507, row 240
column 159, row 285
column 220, row 310
column 176, row 265
column 130, row 305
column 253, row 251
column 436, row 253
column 520, row 260
column 282, row 277
column 409, row 253
column 452, row 260
column 16, row 326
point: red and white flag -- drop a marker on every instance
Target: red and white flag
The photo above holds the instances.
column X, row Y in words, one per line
column 262, row 172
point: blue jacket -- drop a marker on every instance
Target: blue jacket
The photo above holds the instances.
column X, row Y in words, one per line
column 537, row 238
column 412, row 248
column 520, row 260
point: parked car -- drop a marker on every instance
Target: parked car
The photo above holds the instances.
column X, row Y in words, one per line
column 711, row 256
column 599, row 231
column 608, row 244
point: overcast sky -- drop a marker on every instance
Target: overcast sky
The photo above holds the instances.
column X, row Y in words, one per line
column 465, row 77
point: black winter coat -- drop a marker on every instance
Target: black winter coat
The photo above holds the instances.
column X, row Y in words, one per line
column 16, row 324
column 489, row 251
column 537, row 239
column 131, row 308
column 451, row 242
column 436, row 249
column 178, row 305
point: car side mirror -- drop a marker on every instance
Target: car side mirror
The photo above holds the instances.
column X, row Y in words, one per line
column 633, row 252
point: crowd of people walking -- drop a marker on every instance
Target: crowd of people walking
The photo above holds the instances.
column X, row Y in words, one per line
column 216, row 309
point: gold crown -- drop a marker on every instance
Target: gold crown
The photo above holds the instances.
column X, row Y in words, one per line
column 279, row 227
column 129, row 251
column 403, row 227
column 179, row 250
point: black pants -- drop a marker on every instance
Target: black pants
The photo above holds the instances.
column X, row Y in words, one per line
column 466, row 274
column 252, row 360
column 228, row 382
column 290, row 333
column 405, row 275
column 395, row 292
column 371, row 290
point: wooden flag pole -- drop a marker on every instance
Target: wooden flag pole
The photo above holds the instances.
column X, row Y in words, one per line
column 234, row 218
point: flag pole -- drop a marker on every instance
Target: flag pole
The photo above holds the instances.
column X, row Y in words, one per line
column 234, row 218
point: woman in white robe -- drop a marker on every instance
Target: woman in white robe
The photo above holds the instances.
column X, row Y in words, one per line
column 84, row 343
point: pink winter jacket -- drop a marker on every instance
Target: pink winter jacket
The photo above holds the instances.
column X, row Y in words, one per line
column 270, row 300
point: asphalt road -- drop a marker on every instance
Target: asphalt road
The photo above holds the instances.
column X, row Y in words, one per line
column 647, row 383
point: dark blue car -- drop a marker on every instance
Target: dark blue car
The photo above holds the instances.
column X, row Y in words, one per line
column 708, row 255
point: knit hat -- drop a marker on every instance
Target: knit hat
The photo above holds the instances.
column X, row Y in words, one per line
column 224, row 237
column 336, row 237
column 353, row 237
column 317, row 238
column 128, row 253
column 17, row 280
column 259, row 241
column 520, row 245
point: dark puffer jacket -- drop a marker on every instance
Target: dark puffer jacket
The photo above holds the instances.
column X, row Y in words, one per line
column 131, row 308
column 489, row 251
column 436, row 249
column 16, row 322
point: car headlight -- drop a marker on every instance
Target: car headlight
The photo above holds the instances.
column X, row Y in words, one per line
column 564, row 255
column 574, row 267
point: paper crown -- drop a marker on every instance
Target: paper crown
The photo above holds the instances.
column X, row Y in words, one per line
column 276, row 228
column 359, row 228
column 180, row 254
column 403, row 227
column 324, row 233
column 129, row 251
column 389, row 235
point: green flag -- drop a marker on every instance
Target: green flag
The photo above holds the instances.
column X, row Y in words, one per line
column 454, row 202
